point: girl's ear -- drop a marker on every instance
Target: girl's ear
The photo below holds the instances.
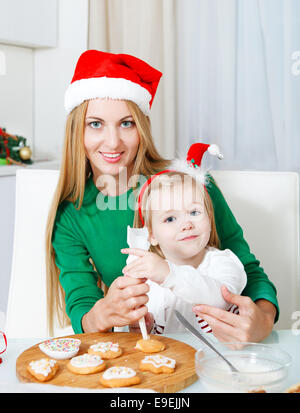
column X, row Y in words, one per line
column 152, row 240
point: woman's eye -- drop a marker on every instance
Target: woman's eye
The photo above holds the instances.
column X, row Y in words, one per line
column 170, row 219
column 127, row 124
column 194, row 213
column 95, row 124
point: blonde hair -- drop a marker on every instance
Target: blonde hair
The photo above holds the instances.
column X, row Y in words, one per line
column 160, row 182
column 74, row 172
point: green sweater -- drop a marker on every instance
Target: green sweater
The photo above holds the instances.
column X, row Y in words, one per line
column 98, row 231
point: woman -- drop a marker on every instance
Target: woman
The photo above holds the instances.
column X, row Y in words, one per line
column 107, row 143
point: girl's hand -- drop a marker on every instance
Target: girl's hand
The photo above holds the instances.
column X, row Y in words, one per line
column 253, row 323
column 148, row 265
column 149, row 319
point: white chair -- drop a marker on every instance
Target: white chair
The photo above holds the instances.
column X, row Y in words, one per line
column 26, row 308
column 266, row 205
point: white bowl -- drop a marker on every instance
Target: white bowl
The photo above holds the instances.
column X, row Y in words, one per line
column 60, row 348
column 262, row 368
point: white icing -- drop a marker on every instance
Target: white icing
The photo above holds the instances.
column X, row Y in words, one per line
column 138, row 346
column 42, row 366
column 118, row 373
column 254, row 373
column 104, row 347
column 159, row 360
column 86, row 360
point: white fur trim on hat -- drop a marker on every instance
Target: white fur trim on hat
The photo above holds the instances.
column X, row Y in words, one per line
column 181, row 165
column 107, row 87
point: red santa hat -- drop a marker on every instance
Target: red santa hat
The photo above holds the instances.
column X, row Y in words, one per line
column 191, row 166
column 116, row 76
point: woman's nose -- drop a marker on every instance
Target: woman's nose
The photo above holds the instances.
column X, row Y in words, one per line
column 113, row 137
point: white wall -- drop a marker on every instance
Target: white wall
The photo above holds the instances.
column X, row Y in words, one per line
column 16, row 91
column 53, row 72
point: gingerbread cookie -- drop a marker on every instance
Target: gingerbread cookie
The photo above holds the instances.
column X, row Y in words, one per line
column 157, row 364
column 106, row 350
column 257, row 391
column 86, row 364
column 43, row 369
column 293, row 389
column 119, row 376
column 150, row 346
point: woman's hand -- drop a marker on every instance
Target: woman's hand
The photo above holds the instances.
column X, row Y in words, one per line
column 123, row 304
column 253, row 323
column 149, row 320
column 148, row 265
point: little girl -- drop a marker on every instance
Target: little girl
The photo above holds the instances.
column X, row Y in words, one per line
column 184, row 265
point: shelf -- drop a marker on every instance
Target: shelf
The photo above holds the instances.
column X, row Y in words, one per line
column 9, row 170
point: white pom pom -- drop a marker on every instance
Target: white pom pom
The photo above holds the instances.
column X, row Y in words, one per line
column 215, row 151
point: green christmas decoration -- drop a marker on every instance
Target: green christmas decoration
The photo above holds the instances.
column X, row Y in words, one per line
column 13, row 149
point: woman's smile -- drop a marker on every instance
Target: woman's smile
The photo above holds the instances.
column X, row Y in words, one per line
column 111, row 157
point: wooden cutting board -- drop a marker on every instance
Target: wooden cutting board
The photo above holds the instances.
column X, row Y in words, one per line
column 183, row 376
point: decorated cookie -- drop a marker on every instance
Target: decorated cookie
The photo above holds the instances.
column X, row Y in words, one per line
column 150, row 346
column 293, row 389
column 86, row 364
column 106, row 350
column 158, row 364
column 43, row 369
column 119, row 376
column 60, row 348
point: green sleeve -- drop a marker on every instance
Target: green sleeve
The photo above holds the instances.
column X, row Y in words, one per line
column 231, row 236
column 77, row 275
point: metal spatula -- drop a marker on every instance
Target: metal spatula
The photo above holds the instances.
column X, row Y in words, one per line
column 196, row 333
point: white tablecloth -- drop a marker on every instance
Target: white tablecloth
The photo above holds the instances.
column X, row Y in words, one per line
column 285, row 339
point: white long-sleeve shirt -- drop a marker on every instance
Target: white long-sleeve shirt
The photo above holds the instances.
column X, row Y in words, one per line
column 186, row 286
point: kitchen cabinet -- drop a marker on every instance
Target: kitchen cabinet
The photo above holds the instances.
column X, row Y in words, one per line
column 30, row 23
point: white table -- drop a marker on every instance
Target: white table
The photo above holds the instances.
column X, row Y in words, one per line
column 284, row 339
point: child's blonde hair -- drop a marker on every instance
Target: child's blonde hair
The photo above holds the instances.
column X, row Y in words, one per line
column 169, row 180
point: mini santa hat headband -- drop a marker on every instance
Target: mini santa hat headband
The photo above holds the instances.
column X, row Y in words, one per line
column 190, row 166
column 116, row 76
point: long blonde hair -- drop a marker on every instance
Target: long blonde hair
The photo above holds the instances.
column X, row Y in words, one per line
column 169, row 180
column 74, row 172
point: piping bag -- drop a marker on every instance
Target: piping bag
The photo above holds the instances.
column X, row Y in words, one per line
column 138, row 238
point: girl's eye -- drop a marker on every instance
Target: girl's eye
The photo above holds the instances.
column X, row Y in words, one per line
column 127, row 124
column 194, row 213
column 170, row 219
column 95, row 124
